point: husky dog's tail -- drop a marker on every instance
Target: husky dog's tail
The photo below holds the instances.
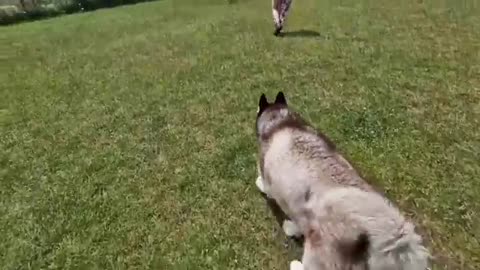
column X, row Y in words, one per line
column 403, row 252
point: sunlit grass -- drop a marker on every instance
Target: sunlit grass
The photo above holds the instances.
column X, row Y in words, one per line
column 127, row 134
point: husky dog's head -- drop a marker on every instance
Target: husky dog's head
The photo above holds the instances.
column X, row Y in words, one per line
column 274, row 116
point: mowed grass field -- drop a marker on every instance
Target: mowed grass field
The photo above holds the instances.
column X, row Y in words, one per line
column 127, row 135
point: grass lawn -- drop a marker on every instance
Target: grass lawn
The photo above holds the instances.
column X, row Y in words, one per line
column 127, row 134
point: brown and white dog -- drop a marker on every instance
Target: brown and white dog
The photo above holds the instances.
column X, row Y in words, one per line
column 346, row 224
column 280, row 10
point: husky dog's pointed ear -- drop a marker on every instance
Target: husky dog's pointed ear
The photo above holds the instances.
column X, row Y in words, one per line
column 262, row 103
column 280, row 99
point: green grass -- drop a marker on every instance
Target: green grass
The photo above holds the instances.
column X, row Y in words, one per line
column 127, row 137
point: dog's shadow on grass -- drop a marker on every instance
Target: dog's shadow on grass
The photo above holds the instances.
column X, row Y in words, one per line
column 301, row 34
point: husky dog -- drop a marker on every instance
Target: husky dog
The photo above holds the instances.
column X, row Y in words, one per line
column 347, row 225
column 297, row 158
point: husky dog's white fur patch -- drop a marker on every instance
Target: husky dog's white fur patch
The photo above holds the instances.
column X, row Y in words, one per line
column 296, row 265
column 291, row 229
column 259, row 184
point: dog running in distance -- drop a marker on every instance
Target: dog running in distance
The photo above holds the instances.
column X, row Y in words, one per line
column 346, row 224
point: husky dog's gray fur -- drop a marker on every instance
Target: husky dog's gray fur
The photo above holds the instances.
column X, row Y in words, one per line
column 347, row 225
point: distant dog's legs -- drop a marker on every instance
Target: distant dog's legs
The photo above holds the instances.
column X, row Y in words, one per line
column 280, row 11
column 276, row 15
column 285, row 7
